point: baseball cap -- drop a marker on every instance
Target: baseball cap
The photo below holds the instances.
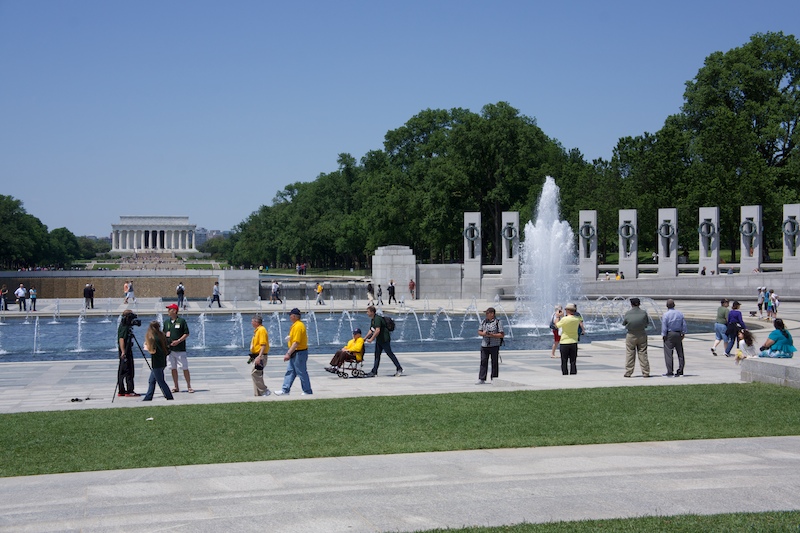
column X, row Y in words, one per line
column 173, row 306
column 295, row 311
column 357, row 330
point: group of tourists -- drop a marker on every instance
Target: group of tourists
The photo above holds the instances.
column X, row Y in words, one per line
column 22, row 295
column 730, row 330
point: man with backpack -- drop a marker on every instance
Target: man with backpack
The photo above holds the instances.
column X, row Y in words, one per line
column 379, row 332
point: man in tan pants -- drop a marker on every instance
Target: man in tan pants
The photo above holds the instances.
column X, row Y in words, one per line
column 636, row 321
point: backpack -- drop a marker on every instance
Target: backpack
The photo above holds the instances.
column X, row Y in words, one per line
column 389, row 323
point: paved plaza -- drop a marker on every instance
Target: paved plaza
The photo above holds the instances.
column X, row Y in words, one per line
column 402, row 492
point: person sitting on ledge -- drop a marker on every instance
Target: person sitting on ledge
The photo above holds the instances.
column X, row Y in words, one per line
column 779, row 343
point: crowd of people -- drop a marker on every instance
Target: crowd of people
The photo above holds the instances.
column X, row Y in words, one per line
column 166, row 344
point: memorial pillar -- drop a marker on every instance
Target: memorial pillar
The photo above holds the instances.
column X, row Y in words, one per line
column 587, row 245
column 667, row 242
column 510, row 235
column 750, row 231
column 708, row 233
column 473, row 267
column 790, row 231
column 628, row 244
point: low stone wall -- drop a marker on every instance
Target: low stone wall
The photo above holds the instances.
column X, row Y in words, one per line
column 784, row 372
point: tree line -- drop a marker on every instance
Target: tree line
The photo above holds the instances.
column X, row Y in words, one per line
column 733, row 143
column 26, row 243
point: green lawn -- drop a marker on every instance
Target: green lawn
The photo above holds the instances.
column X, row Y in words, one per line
column 728, row 523
column 104, row 439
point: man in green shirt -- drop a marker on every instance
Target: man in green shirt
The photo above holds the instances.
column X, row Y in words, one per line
column 177, row 331
column 636, row 321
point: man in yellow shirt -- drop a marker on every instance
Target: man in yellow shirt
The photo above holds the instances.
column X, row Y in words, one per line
column 354, row 351
column 571, row 327
column 296, row 356
column 259, row 348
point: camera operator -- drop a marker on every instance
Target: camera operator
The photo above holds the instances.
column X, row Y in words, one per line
column 125, row 342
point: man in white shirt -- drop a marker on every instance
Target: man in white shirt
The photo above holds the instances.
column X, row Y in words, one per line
column 21, row 294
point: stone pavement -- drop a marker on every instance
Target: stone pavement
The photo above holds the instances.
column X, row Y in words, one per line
column 402, row 492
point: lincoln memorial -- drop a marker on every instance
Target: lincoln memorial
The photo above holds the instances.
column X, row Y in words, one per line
column 153, row 234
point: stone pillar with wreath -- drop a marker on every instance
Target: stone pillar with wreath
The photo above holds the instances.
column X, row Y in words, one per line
column 750, row 233
column 587, row 245
column 473, row 260
column 708, row 235
column 790, row 230
column 667, row 238
column 628, row 231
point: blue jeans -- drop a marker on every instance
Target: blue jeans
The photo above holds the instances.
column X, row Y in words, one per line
column 157, row 376
column 297, row 367
column 379, row 347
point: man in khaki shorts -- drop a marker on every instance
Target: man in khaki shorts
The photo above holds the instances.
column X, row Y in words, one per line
column 177, row 331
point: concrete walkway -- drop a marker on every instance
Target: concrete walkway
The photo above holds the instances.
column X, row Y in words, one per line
column 402, row 492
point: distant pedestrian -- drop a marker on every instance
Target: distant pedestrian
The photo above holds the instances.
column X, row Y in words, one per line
column 320, row 300
column 275, row 293
column 380, row 295
column 21, row 293
column 180, row 292
column 673, row 329
column 215, row 295
column 370, row 294
column 33, row 295
column 87, row 296
column 4, row 297
column 391, row 288
column 412, row 287
column 636, row 321
column 491, row 333
column 296, row 356
column 125, row 291
column 761, row 293
column 131, row 295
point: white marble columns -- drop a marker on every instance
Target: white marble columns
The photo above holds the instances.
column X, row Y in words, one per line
column 161, row 234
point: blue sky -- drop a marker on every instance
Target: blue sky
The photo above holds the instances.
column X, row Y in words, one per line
column 207, row 109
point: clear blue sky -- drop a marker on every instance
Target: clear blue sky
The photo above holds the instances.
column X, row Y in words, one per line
column 207, row 109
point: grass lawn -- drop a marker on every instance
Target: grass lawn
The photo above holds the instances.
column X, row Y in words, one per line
column 106, row 266
column 106, row 439
column 729, row 523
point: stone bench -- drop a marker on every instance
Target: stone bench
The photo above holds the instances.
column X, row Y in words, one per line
column 785, row 372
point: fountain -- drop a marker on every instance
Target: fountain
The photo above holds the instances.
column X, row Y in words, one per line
column 56, row 312
column 81, row 321
column 548, row 271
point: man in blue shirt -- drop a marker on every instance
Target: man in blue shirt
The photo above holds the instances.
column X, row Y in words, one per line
column 673, row 328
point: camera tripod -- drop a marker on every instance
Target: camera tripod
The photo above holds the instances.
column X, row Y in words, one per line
column 128, row 349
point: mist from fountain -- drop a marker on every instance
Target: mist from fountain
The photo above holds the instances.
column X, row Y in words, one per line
column 548, row 269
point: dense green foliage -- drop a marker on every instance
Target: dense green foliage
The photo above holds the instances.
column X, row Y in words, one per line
column 734, row 143
column 104, row 439
column 25, row 241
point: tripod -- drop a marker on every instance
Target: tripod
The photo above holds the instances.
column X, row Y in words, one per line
column 128, row 349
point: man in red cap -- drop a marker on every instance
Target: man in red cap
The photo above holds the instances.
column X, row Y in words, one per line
column 177, row 331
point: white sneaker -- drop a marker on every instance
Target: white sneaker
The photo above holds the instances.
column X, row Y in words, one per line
column 306, row 393
column 267, row 393
column 399, row 373
column 480, row 382
column 281, row 393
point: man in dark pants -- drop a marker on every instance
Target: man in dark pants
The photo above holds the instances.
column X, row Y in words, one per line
column 125, row 349
column 491, row 331
column 380, row 334
column 673, row 329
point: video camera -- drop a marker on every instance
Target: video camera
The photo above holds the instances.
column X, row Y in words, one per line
column 131, row 319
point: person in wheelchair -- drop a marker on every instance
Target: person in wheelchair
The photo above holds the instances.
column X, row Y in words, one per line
column 353, row 351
